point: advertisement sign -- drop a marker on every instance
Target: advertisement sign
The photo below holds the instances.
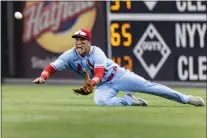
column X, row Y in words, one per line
column 48, row 27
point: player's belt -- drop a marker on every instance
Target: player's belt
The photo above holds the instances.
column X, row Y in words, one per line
column 112, row 74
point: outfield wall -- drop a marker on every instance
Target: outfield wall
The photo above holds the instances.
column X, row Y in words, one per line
column 80, row 82
column 163, row 41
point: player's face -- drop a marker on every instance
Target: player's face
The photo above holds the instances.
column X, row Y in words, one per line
column 82, row 46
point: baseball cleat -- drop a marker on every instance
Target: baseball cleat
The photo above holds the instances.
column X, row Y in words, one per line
column 196, row 101
column 137, row 101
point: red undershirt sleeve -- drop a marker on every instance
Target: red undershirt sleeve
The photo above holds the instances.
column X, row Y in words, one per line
column 47, row 72
column 99, row 72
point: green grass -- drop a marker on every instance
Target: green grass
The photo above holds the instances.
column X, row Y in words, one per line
column 44, row 111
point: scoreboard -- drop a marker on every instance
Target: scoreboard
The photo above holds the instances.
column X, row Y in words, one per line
column 160, row 40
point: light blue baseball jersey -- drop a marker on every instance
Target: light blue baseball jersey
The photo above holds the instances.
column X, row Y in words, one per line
column 123, row 80
column 96, row 58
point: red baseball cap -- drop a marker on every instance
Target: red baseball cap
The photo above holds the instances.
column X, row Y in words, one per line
column 82, row 33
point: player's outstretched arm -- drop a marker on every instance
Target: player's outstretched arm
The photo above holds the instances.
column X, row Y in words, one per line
column 60, row 63
column 47, row 72
column 100, row 61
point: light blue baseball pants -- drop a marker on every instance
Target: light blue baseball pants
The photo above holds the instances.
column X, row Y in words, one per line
column 105, row 94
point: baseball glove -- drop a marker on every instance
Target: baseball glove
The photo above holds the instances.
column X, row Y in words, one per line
column 87, row 87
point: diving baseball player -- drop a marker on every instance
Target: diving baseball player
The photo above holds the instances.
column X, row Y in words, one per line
column 107, row 78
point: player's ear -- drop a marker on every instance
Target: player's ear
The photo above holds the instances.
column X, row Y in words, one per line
column 89, row 42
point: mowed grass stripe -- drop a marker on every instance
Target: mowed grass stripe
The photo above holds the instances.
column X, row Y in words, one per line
column 44, row 111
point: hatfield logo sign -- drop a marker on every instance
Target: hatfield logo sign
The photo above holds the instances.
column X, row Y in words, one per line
column 152, row 43
column 52, row 23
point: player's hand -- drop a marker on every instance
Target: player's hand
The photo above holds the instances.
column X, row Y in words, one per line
column 39, row 80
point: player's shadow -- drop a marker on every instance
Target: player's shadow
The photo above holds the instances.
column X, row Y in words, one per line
column 69, row 104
